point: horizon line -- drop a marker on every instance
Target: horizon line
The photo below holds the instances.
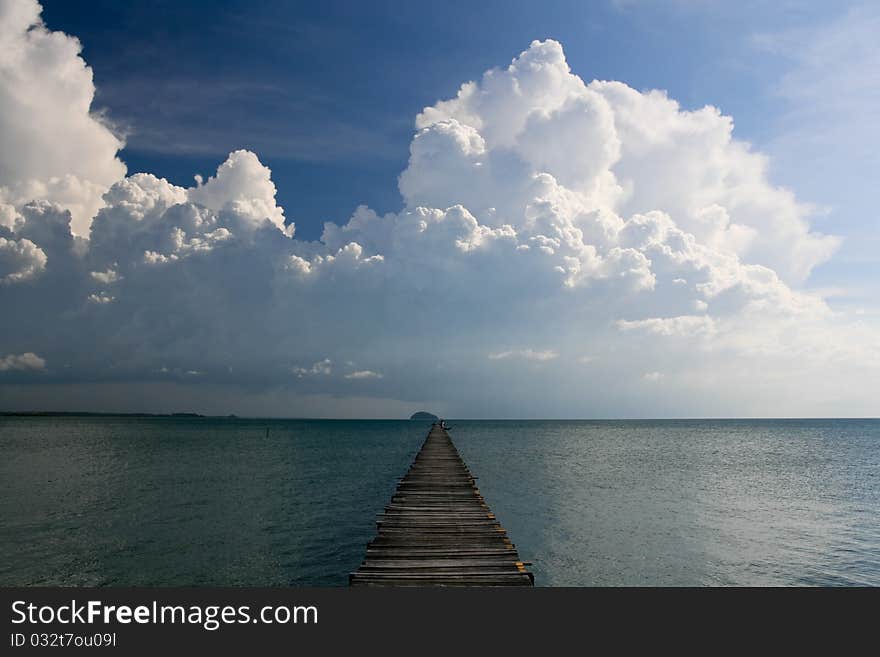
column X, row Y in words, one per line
column 235, row 416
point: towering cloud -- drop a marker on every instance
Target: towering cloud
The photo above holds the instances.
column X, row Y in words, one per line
column 563, row 248
column 52, row 146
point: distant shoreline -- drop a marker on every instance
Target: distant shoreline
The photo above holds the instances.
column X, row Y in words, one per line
column 94, row 414
column 232, row 416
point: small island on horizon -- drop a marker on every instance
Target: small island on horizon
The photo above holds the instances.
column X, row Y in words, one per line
column 423, row 415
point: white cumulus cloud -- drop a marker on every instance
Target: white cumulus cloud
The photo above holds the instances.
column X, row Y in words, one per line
column 26, row 361
column 20, row 260
column 364, row 374
column 53, row 145
column 537, row 209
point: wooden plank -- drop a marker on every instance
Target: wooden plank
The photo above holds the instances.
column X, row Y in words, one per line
column 438, row 531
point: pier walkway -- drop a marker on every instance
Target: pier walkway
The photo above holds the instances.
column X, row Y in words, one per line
column 438, row 531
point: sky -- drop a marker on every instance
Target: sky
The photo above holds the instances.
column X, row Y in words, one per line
column 562, row 209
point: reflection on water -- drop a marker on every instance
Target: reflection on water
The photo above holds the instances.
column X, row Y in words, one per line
column 686, row 502
column 176, row 501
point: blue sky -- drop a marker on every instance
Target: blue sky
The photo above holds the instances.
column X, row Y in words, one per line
column 326, row 95
column 274, row 76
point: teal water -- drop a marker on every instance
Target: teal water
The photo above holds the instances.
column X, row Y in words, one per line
column 180, row 501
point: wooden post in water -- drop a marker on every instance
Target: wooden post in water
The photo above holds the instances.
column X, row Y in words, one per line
column 438, row 530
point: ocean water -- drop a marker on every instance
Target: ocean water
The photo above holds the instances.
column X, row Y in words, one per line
column 200, row 501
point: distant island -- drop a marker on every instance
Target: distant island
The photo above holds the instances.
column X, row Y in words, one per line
column 423, row 415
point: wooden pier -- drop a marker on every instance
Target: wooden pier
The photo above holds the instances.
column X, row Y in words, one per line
column 438, row 531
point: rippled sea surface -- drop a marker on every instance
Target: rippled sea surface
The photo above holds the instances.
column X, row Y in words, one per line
column 180, row 501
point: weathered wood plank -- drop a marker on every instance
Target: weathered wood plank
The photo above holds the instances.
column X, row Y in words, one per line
column 438, row 531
